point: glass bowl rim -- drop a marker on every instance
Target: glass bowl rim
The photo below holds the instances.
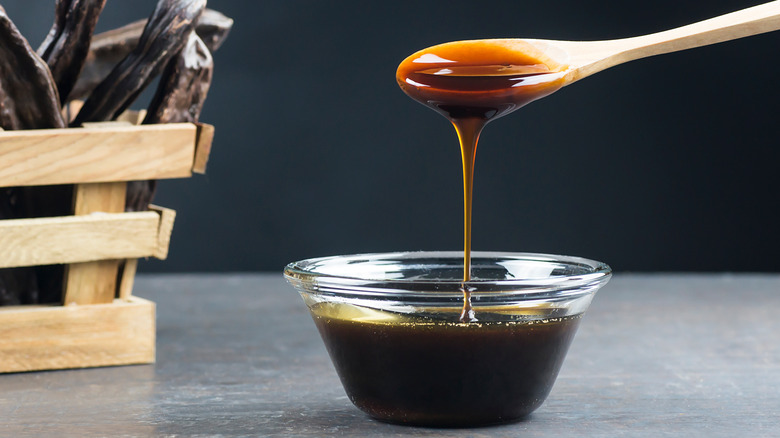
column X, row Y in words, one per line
column 596, row 275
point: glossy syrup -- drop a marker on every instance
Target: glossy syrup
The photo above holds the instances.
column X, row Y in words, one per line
column 472, row 83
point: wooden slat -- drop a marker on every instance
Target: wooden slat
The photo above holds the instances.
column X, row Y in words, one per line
column 91, row 282
column 94, row 282
column 107, row 125
column 102, row 197
column 167, row 217
column 133, row 117
column 128, row 278
column 203, row 147
column 85, row 155
column 59, row 337
column 71, row 239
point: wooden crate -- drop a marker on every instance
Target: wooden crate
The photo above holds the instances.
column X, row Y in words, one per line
column 95, row 326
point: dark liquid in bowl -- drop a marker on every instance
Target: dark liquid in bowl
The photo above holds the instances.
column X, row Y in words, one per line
column 414, row 370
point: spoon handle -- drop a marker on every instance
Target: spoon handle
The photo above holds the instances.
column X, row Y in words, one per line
column 746, row 22
column 751, row 21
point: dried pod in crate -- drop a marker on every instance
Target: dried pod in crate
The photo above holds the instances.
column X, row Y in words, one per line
column 109, row 48
column 66, row 46
column 164, row 36
column 179, row 98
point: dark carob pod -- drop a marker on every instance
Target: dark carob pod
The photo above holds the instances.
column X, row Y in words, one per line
column 213, row 28
column 163, row 37
column 60, row 14
column 28, row 100
column 66, row 47
column 179, row 99
column 28, row 95
column 183, row 85
column 110, row 47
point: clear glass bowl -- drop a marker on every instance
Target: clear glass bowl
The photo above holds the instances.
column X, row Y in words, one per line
column 392, row 326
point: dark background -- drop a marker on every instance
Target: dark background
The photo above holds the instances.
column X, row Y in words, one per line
column 667, row 163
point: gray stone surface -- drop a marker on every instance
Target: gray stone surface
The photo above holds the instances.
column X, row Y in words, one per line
column 656, row 356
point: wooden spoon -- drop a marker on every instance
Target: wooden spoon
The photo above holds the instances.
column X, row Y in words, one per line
column 490, row 78
column 581, row 59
